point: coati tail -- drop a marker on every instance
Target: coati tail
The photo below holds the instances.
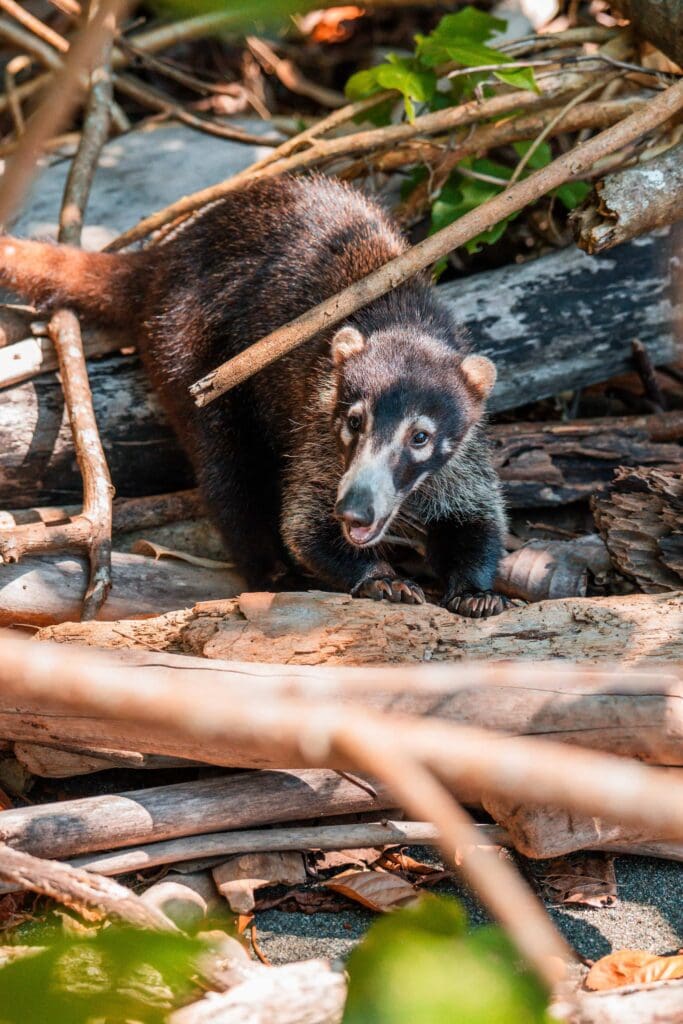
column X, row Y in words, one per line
column 101, row 286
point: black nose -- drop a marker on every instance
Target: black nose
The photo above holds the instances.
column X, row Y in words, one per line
column 356, row 508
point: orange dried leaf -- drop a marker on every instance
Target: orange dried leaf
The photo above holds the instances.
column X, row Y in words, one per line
column 663, row 968
column 331, row 25
column 377, row 890
column 617, row 969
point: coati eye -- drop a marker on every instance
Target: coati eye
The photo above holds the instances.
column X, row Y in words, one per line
column 354, row 423
column 419, row 439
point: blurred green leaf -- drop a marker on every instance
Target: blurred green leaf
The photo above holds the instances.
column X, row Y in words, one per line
column 572, row 193
column 462, row 194
column 541, row 156
column 122, row 974
column 238, row 14
column 418, row 966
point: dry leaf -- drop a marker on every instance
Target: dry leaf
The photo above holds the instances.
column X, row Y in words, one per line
column 329, row 26
column 631, row 966
column 157, row 551
column 586, row 879
column 362, row 857
column 304, row 901
column 378, row 890
column 239, row 877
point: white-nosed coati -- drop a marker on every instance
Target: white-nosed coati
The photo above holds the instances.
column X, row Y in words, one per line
column 307, row 464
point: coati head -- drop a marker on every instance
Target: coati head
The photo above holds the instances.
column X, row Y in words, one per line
column 405, row 402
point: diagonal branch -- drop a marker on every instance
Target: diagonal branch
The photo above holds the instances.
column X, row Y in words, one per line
column 570, row 165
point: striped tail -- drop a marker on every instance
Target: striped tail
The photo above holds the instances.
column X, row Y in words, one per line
column 104, row 287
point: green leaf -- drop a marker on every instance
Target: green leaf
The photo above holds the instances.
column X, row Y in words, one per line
column 572, row 193
column 461, row 194
column 418, row 966
column 404, row 74
column 541, row 156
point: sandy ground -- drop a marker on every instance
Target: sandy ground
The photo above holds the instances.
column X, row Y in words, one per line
column 648, row 915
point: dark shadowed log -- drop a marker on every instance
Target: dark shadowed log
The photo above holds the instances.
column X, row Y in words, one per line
column 561, row 322
column 658, row 21
column 554, row 463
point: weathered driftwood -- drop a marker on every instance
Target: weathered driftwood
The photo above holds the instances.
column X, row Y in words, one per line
column 641, row 522
column 43, row 590
column 542, row 832
column 314, row 628
column 597, row 708
column 552, row 569
column 565, row 345
column 324, row 837
column 309, row 992
column 632, row 1004
column 61, row 763
column 631, row 202
column 554, row 463
column 26, row 353
column 74, row 827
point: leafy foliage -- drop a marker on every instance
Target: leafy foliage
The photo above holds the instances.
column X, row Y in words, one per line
column 420, row 965
column 121, row 974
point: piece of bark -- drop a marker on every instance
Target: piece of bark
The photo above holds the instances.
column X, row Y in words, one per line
column 631, row 202
column 40, row 591
column 555, row 463
column 544, row 832
column 31, row 354
column 566, row 345
column 237, row 879
column 74, row 827
column 59, row 763
column 309, row 992
column 641, row 522
column 659, row 1003
column 544, row 569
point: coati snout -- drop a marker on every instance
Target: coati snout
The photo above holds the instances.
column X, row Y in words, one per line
column 397, row 430
column 307, row 464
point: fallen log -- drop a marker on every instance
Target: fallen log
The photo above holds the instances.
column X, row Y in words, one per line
column 41, row 590
column 566, row 345
column 128, row 514
column 315, row 628
column 73, row 827
column 555, row 463
column 632, row 1004
column 631, row 203
column 658, row 21
column 328, row 837
column 641, row 522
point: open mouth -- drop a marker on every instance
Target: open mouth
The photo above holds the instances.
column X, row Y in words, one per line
column 364, row 536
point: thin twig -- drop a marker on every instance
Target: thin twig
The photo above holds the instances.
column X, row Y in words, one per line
column 93, row 896
column 291, row 77
column 57, row 108
column 35, row 25
column 648, row 375
column 569, row 165
column 14, row 67
column 148, row 96
column 552, row 124
column 497, row 883
column 98, row 491
column 25, row 41
column 95, row 132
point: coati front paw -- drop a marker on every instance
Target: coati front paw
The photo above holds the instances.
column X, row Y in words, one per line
column 387, row 588
column 477, row 604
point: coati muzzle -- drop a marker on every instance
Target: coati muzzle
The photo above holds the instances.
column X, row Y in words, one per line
column 367, row 499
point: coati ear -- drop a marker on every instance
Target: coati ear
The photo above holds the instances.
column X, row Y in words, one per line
column 480, row 375
column 347, row 342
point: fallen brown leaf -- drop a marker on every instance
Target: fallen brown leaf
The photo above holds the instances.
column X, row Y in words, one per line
column 586, row 879
column 362, row 857
column 237, row 878
column 632, row 967
column 378, row 890
column 304, row 901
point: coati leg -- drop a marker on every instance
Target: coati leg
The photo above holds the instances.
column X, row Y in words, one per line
column 314, row 538
column 465, row 556
column 239, row 482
